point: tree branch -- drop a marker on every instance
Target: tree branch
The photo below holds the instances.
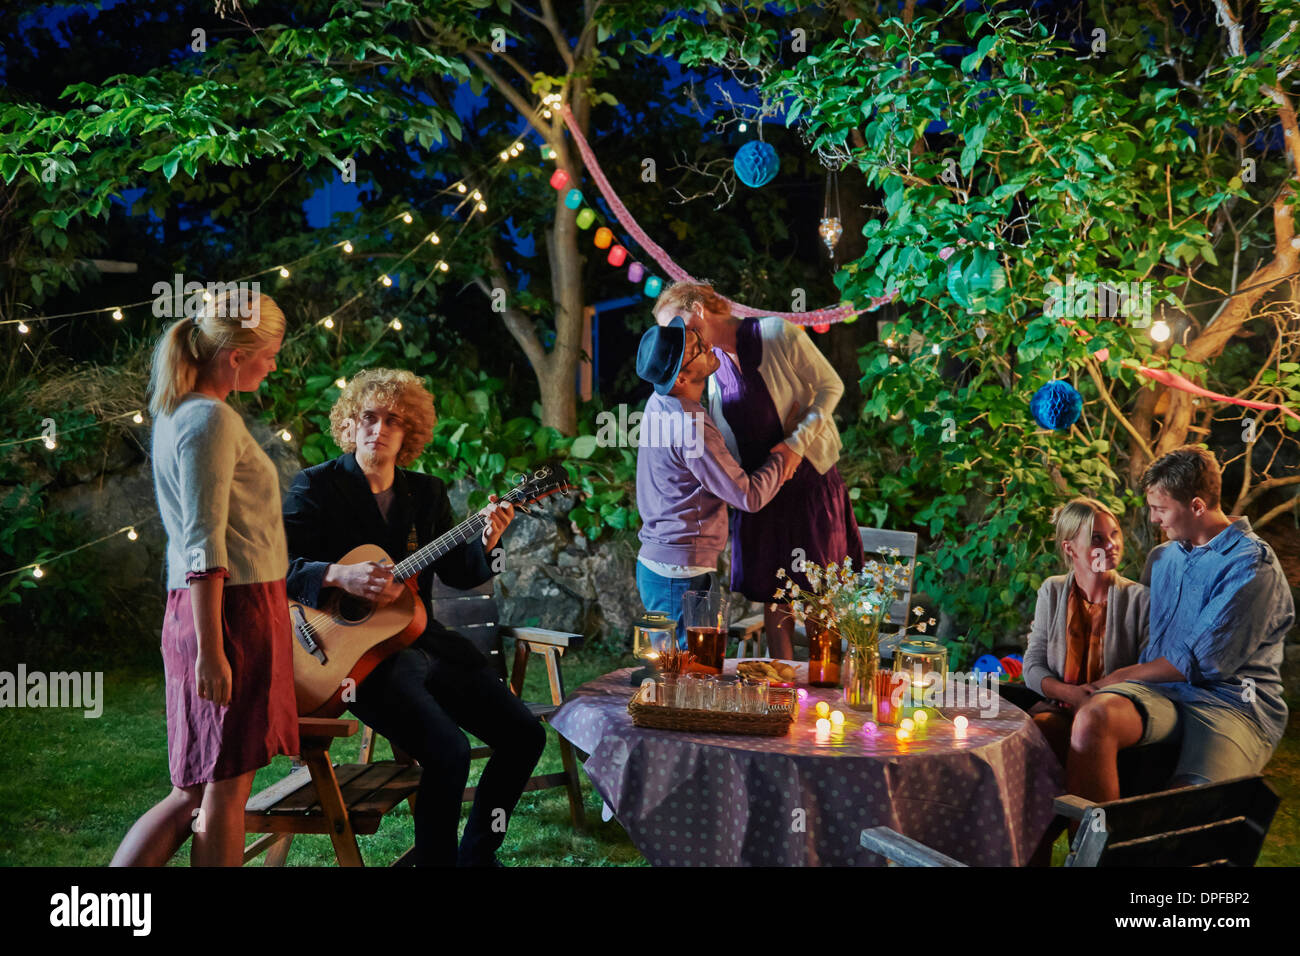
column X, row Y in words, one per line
column 1246, row 500
column 511, row 94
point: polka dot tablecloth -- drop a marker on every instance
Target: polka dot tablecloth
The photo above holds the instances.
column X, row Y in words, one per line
column 688, row 799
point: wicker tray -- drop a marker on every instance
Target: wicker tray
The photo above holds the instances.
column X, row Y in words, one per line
column 657, row 717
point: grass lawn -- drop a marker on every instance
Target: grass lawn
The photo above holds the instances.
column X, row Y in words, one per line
column 72, row 787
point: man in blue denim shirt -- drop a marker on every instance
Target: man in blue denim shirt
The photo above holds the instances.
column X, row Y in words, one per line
column 1210, row 672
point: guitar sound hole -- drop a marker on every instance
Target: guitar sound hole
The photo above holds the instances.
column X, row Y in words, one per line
column 354, row 609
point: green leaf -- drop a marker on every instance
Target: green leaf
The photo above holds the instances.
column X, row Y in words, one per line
column 584, row 446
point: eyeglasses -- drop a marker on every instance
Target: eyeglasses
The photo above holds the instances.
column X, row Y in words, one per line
column 700, row 349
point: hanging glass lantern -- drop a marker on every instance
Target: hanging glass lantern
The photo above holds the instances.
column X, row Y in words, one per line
column 830, row 230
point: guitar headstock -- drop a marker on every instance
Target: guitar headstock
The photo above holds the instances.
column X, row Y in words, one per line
column 542, row 482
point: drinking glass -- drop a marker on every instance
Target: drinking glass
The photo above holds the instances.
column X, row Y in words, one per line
column 753, row 695
column 699, row 691
column 726, row 694
column 706, row 627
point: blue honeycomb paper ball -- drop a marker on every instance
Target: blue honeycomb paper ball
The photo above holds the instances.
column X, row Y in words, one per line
column 1056, row 405
column 756, row 163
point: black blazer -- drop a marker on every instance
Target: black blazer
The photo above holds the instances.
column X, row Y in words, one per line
column 330, row 510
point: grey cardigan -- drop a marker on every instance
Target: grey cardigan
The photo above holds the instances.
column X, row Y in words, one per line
column 1127, row 606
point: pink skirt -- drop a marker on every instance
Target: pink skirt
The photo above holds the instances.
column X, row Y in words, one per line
column 206, row 741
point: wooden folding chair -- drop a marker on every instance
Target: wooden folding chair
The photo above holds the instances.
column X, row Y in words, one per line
column 344, row 800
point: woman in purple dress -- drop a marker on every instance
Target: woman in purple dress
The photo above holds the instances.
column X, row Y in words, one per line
column 774, row 381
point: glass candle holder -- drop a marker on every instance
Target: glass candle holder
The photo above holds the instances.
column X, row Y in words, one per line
column 825, row 655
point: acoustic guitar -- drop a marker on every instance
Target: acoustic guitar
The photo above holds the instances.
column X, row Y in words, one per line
column 336, row 646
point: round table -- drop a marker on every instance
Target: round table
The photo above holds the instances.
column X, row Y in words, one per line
column 693, row 799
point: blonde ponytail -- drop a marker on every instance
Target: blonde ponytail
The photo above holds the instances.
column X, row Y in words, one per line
column 190, row 345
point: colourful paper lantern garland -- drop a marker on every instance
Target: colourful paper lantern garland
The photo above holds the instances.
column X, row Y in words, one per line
column 604, row 237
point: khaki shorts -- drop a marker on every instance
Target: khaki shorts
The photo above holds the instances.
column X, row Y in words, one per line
column 1218, row 741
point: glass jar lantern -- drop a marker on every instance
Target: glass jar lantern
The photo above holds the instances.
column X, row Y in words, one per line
column 919, row 660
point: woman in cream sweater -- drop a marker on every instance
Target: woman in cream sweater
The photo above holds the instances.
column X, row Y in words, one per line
column 774, row 386
column 1087, row 623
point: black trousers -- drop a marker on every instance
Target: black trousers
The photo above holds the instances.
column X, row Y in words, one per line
column 419, row 699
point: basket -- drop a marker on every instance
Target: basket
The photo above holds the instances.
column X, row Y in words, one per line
column 657, row 717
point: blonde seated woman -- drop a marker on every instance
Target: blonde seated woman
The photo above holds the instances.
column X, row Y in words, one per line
column 1088, row 622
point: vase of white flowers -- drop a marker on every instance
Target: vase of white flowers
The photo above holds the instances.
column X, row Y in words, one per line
column 853, row 604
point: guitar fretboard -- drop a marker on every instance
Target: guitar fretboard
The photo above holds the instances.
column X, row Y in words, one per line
column 413, row 564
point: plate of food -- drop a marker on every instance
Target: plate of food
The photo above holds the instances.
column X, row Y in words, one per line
column 776, row 672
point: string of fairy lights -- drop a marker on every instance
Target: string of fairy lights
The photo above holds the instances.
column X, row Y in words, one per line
column 470, row 195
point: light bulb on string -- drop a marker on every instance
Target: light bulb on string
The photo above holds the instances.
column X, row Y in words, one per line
column 1160, row 331
column 406, row 218
column 397, row 324
column 284, row 273
column 284, row 435
column 433, row 238
column 386, row 280
column 37, row 572
column 442, row 265
column 347, row 246
column 482, row 207
column 935, row 348
column 505, row 154
column 131, row 534
column 341, row 383
column 138, row 418
column 51, row 444
column 328, row 322
column 207, row 296
column 743, row 127
column 117, row 315
column 22, row 328
column 546, row 114
column 460, row 187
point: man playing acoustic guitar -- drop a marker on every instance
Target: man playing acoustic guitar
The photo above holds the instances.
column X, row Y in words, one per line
column 421, row 696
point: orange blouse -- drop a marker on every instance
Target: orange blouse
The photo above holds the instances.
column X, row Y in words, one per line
column 1085, row 633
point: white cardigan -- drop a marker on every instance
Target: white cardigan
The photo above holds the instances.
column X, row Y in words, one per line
column 794, row 370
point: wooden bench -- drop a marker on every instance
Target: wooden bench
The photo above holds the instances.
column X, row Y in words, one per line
column 344, row 800
column 1213, row 824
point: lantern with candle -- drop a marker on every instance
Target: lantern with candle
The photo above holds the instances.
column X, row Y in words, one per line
column 651, row 636
column 926, row 665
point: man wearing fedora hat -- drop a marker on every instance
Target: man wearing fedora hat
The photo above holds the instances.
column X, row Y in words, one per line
column 685, row 476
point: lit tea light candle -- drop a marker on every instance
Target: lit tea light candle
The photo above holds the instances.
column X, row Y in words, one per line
column 921, row 718
column 906, row 724
column 823, row 726
column 823, row 708
column 801, row 694
column 904, row 734
column 837, row 718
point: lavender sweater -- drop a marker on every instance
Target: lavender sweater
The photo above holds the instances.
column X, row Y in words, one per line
column 685, row 478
